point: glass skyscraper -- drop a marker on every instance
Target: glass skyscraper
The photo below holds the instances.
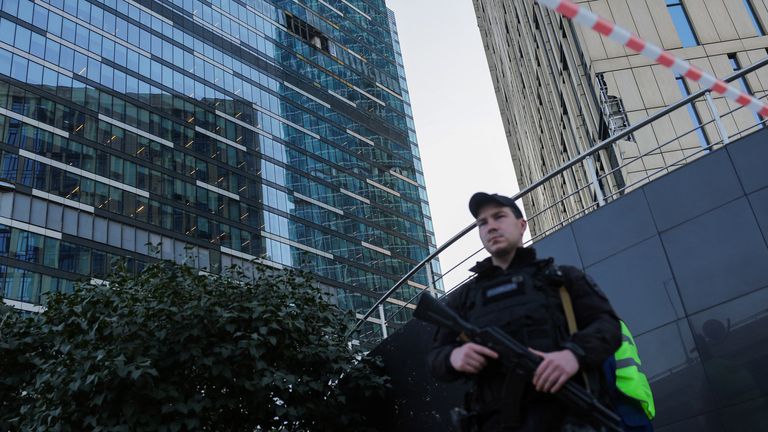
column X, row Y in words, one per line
column 212, row 133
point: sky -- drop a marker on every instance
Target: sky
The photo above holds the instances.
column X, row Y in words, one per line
column 461, row 137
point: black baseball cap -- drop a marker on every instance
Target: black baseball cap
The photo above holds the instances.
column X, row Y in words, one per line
column 480, row 199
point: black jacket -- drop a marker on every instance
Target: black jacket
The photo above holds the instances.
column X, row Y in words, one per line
column 598, row 337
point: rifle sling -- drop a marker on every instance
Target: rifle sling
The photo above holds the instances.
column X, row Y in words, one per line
column 570, row 318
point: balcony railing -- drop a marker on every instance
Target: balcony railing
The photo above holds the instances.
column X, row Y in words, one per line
column 674, row 152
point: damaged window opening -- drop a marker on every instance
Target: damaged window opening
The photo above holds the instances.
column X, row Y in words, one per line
column 308, row 33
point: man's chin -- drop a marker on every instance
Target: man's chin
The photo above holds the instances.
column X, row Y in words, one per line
column 501, row 251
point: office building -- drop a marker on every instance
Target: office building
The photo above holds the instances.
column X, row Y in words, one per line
column 212, row 133
column 562, row 89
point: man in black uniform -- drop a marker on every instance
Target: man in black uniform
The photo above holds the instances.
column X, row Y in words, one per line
column 520, row 294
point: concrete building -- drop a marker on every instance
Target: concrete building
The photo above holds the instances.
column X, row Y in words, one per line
column 212, row 133
column 563, row 89
column 699, row 319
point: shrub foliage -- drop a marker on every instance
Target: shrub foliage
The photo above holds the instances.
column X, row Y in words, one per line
column 172, row 350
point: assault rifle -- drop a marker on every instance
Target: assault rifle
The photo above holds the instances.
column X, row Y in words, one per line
column 514, row 356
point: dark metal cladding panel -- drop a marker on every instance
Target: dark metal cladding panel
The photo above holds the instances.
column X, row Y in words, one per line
column 732, row 340
column 416, row 402
column 638, row 280
column 684, row 194
column 695, row 295
column 749, row 416
column 673, row 367
column 717, row 256
column 617, row 226
column 749, row 156
column 560, row 245
column 710, row 422
column 759, row 202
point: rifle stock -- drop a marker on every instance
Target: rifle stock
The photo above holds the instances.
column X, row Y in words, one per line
column 513, row 355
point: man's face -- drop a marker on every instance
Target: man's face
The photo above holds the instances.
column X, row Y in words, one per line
column 500, row 231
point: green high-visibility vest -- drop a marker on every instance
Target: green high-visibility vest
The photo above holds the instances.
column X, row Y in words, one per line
column 629, row 379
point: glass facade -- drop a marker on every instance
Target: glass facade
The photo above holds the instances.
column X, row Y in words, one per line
column 682, row 23
column 733, row 60
column 213, row 133
column 695, row 117
column 753, row 17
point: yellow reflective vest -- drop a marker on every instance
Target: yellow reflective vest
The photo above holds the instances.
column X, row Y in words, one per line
column 629, row 378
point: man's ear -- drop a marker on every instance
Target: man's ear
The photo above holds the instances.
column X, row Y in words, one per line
column 523, row 224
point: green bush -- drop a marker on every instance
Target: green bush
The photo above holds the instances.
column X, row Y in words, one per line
column 172, row 350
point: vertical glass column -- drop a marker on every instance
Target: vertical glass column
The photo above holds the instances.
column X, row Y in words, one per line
column 695, row 117
column 682, row 23
column 753, row 17
column 742, row 82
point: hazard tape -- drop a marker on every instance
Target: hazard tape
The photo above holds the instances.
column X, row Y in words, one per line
column 589, row 19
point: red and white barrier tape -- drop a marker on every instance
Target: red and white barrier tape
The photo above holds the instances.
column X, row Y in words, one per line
column 589, row 19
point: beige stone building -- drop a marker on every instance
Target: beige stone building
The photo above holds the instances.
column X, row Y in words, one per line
column 562, row 89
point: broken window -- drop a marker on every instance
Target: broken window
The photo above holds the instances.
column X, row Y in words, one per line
column 306, row 32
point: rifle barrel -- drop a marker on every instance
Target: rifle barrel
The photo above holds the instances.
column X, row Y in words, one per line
column 513, row 354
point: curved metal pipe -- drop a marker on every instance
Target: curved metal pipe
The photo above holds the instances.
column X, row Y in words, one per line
column 553, row 174
column 409, row 275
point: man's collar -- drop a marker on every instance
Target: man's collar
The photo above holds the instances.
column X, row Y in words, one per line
column 523, row 255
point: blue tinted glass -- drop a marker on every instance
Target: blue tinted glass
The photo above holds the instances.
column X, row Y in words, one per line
column 22, row 38
column 743, row 84
column 40, row 17
column 692, row 112
column 109, row 23
column 119, row 82
column 94, row 70
column 5, row 62
column 35, row 74
column 95, row 43
column 25, row 10
column 11, row 6
column 50, row 77
column 37, row 45
column 80, row 65
column 696, row 122
column 81, row 38
column 120, row 54
column 5, row 241
column 134, row 35
column 753, row 16
column 68, row 30
column 97, row 16
column 52, row 51
column 106, row 74
column 735, row 66
column 108, row 49
column 65, row 81
column 67, row 57
column 70, row 7
column 133, row 62
column 19, row 68
column 682, row 24
column 84, row 11
column 7, row 30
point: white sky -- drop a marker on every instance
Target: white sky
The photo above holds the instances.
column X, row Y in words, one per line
column 461, row 137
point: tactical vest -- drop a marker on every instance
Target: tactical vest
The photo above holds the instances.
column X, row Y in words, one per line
column 525, row 303
column 629, row 379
